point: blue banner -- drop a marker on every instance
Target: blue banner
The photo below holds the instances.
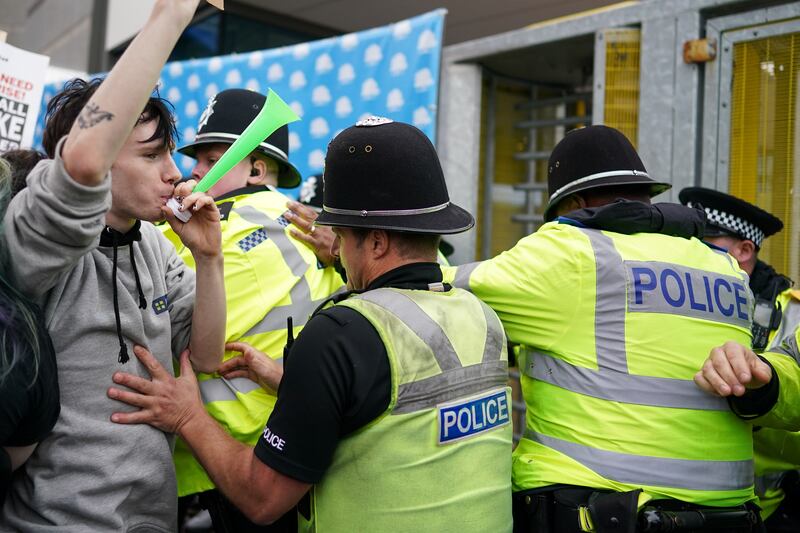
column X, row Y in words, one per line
column 391, row 71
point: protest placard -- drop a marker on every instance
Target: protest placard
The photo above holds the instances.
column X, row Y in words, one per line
column 22, row 77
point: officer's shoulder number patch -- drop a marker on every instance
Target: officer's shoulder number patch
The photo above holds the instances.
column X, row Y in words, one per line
column 467, row 417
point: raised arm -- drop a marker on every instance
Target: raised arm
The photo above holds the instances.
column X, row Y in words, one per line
column 111, row 113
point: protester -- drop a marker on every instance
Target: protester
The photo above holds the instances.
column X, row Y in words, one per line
column 83, row 246
column 28, row 381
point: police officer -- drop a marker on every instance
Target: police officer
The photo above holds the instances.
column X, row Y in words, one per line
column 393, row 413
column 616, row 305
column 741, row 228
column 269, row 277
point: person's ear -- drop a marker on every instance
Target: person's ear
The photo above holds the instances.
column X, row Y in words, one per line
column 379, row 243
column 257, row 172
column 747, row 251
column 570, row 203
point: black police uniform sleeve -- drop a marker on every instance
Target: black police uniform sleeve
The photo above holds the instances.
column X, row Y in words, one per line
column 757, row 402
column 337, row 379
column 30, row 405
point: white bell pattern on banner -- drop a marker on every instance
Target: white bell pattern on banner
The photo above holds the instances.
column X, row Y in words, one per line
column 300, row 51
column 214, row 64
column 421, row 118
column 233, row 78
column 391, row 72
column 211, row 90
column 394, row 100
column 193, row 82
column 294, row 141
column 191, row 109
column 398, row 64
column 423, row 79
column 297, row 107
column 370, row 89
column 343, row 106
column 323, row 64
column 402, row 29
column 373, row 55
column 320, row 96
column 255, row 59
column 275, row 72
column 349, row 41
column 316, row 159
column 426, row 42
column 174, row 95
column 346, row 74
column 319, row 127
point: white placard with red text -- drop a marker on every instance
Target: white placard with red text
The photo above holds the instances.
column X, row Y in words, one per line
column 22, row 77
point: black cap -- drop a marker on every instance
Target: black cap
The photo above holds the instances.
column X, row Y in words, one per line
column 729, row 215
column 594, row 157
column 226, row 116
column 311, row 192
column 383, row 174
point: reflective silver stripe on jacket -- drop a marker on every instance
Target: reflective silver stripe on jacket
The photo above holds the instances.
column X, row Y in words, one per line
column 222, row 389
column 788, row 347
column 789, row 323
column 456, row 380
column 302, row 304
column 619, row 386
column 463, row 272
column 657, row 471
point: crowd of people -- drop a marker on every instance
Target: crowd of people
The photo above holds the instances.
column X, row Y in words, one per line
column 297, row 368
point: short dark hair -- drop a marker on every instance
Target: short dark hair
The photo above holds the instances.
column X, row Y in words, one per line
column 409, row 245
column 21, row 163
column 63, row 109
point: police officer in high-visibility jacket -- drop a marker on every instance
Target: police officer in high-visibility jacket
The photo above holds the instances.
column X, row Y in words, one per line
column 741, row 228
column 393, row 413
column 616, row 305
column 269, row 277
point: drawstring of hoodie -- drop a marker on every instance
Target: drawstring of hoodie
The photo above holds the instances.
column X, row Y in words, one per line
column 127, row 238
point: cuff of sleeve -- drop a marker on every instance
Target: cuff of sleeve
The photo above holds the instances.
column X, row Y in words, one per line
column 758, row 402
column 69, row 191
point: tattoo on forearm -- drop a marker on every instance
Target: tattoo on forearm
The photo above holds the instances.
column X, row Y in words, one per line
column 92, row 115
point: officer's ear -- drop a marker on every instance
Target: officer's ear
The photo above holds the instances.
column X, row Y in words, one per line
column 569, row 204
column 263, row 172
column 745, row 253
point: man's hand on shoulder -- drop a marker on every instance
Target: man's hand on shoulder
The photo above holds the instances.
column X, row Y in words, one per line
column 732, row 369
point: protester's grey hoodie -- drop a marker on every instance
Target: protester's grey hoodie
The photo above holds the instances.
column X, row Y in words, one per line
column 91, row 474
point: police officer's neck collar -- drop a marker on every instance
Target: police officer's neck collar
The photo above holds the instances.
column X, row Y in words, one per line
column 250, row 189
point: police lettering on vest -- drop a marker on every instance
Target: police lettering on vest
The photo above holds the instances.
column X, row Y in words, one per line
column 674, row 289
column 465, row 418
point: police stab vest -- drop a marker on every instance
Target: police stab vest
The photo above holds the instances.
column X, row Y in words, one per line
column 269, row 277
column 438, row 459
column 612, row 403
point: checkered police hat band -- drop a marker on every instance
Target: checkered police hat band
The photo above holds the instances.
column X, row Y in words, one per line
column 734, row 224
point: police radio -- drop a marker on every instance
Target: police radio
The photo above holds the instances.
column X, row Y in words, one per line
column 767, row 317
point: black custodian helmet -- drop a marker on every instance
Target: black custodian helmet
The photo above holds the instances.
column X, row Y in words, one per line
column 382, row 174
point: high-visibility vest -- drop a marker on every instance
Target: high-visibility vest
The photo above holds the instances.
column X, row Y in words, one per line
column 614, row 328
column 269, row 276
column 439, row 457
column 777, row 451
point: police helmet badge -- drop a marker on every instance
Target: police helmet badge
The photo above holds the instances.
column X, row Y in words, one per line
column 207, row 112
